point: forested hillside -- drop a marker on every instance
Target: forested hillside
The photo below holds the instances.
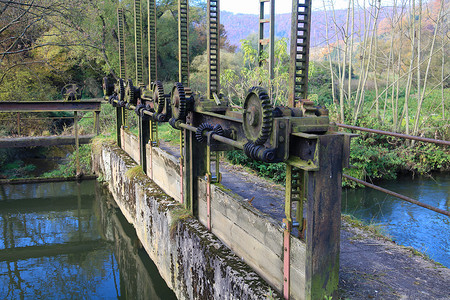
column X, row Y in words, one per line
column 240, row 26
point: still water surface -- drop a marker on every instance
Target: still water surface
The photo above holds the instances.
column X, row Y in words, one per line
column 67, row 241
column 408, row 224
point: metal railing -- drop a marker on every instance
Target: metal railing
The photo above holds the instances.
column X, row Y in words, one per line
column 386, row 191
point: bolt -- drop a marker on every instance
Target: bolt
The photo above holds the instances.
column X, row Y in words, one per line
column 281, row 125
column 281, row 139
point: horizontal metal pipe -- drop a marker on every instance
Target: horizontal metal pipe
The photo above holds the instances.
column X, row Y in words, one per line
column 149, row 113
column 228, row 141
column 400, row 135
column 400, row 196
column 216, row 137
column 188, row 127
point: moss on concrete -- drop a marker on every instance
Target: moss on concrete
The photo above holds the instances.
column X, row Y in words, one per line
column 178, row 213
column 135, row 172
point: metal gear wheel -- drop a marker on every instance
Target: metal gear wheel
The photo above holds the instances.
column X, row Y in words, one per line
column 131, row 93
column 71, row 92
column 206, row 127
column 108, row 87
column 257, row 119
column 159, row 97
column 120, row 89
column 178, row 102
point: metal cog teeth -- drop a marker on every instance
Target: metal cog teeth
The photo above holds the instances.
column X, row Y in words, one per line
column 158, row 87
column 179, row 112
column 264, row 121
column 218, row 130
column 121, row 90
column 202, row 128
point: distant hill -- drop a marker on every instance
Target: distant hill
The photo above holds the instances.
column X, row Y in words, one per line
column 240, row 26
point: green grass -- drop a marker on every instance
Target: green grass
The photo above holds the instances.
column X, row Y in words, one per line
column 374, row 229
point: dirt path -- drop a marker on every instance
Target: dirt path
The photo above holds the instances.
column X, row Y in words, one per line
column 372, row 267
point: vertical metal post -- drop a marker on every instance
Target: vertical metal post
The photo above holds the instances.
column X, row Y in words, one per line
column 261, row 41
column 300, row 39
column 18, row 123
column 213, row 48
column 138, row 43
column 272, row 48
column 286, row 258
column 121, row 112
column 119, row 123
column 152, row 53
column 270, row 41
column 182, row 145
column 287, row 224
column 188, row 171
column 144, row 137
column 77, row 143
column 194, row 166
column 208, row 187
column 121, row 35
column 208, row 201
column 183, row 41
column 97, row 122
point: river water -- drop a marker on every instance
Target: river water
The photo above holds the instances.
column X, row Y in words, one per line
column 68, row 241
column 407, row 224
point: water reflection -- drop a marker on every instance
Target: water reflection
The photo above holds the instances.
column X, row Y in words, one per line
column 406, row 223
column 72, row 243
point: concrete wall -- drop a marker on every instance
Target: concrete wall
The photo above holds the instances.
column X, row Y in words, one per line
column 164, row 169
column 192, row 260
column 130, row 143
column 252, row 235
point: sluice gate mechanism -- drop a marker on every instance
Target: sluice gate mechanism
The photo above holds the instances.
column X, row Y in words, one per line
column 299, row 134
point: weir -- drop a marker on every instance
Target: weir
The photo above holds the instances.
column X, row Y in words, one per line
column 298, row 258
column 253, row 236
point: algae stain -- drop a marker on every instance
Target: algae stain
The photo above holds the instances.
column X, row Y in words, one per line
column 223, row 188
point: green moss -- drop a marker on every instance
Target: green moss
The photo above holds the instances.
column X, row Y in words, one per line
column 178, row 213
column 374, row 229
column 99, row 141
column 222, row 187
column 135, row 172
column 324, row 285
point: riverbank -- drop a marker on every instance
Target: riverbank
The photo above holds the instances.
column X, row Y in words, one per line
column 374, row 267
column 371, row 266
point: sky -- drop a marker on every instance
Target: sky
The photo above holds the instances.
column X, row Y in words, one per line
column 281, row 6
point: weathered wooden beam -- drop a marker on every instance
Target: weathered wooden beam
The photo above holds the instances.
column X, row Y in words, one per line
column 44, row 106
column 43, row 141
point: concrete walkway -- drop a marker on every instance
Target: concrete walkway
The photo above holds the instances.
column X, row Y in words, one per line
column 372, row 267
